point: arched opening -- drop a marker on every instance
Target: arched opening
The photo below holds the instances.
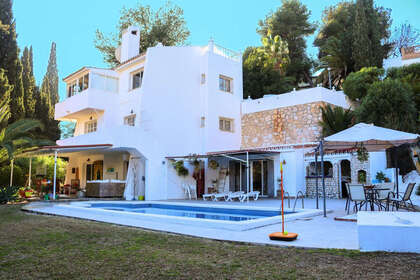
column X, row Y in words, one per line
column 311, row 170
column 345, row 176
column 361, row 176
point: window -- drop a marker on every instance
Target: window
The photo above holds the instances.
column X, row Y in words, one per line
column 225, row 83
column 130, row 120
column 137, row 79
column 78, row 85
column 311, row 170
column 226, row 124
column 91, row 126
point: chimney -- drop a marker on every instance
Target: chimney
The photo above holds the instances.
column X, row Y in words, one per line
column 130, row 44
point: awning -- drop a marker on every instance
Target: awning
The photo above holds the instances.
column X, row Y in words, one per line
column 64, row 150
column 257, row 153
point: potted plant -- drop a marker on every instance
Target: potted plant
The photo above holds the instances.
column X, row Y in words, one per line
column 181, row 170
column 213, row 164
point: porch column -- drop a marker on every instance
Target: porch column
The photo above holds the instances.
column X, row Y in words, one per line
column 11, row 171
column 55, row 173
column 316, row 178
column 30, row 172
column 247, row 175
column 321, row 145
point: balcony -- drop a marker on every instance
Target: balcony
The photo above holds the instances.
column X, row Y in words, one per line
column 80, row 104
column 87, row 90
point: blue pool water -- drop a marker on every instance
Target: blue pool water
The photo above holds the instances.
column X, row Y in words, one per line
column 200, row 212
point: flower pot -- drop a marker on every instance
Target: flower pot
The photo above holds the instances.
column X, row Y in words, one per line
column 141, row 197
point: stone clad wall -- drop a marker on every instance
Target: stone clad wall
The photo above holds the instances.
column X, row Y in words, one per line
column 288, row 125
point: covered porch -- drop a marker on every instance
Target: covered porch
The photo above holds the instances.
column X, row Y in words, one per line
column 98, row 170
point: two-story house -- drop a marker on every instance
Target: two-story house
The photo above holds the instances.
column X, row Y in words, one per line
column 163, row 101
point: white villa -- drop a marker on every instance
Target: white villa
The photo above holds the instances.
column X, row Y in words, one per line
column 186, row 103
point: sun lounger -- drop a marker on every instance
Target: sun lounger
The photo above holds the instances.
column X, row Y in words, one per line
column 208, row 196
column 218, row 196
column 254, row 195
column 234, row 195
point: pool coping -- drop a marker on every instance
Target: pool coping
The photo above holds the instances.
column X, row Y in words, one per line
column 98, row 214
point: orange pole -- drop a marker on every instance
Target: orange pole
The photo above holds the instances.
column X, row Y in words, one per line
column 281, row 186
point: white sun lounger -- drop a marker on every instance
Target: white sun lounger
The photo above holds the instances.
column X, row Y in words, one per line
column 254, row 195
column 224, row 195
column 208, row 196
column 234, row 195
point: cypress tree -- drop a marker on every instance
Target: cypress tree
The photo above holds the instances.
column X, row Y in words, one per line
column 52, row 74
column 31, row 60
column 44, row 111
column 28, row 83
column 5, row 89
column 361, row 43
column 9, row 60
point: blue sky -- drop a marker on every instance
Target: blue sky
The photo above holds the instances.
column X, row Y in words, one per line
column 232, row 24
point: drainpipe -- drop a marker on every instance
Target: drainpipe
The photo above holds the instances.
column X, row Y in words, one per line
column 55, row 173
column 316, row 180
column 247, row 175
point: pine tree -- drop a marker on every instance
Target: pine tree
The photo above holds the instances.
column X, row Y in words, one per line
column 52, row 74
column 28, row 83
column 9, row 60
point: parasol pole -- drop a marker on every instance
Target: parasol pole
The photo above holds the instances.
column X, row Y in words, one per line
column 282, row 198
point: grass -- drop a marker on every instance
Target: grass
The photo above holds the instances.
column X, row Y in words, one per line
column 48, row 247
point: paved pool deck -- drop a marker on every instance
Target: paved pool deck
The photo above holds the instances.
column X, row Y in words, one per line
column 314, row 232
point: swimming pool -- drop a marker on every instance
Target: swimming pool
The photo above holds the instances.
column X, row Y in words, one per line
column 198, row 212
column 169, row 215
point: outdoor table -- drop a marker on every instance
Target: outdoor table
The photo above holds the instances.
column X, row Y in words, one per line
column 372, row 194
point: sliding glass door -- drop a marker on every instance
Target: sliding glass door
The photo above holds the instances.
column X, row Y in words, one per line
column 259, row 175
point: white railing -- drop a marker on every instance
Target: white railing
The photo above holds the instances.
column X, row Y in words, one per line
column 235, row 56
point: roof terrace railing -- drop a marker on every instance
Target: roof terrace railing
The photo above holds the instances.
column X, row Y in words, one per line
column 236, row 56
column 410, row 52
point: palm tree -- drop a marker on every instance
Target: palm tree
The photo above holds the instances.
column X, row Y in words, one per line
column 17, row 136
column 335, row 119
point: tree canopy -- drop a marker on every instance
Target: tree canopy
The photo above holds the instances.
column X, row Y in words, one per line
column 291, row 22
column 389, row 103
column 260, row 75
column 353, row 35
column 357, row 83
column 166, row 25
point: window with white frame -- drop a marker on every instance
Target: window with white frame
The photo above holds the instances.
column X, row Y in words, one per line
column 91, row 126
column 136, row 79
column 225, row 83
column 130, row 120
column 78, row 85
column 226, row 124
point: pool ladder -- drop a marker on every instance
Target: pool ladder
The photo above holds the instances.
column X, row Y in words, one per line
column 299, row 195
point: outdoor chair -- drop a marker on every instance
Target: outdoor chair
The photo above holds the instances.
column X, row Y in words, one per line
column 382, row 198
column 397, row 200
column 346, row 184
column 358, row 196
column 254, row 195
column 234, row 195
column 193, row 191
column 187, row 191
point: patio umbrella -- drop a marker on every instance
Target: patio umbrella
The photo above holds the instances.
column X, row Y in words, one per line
column 373, row 138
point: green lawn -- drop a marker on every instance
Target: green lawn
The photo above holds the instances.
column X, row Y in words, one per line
column 47, row 247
